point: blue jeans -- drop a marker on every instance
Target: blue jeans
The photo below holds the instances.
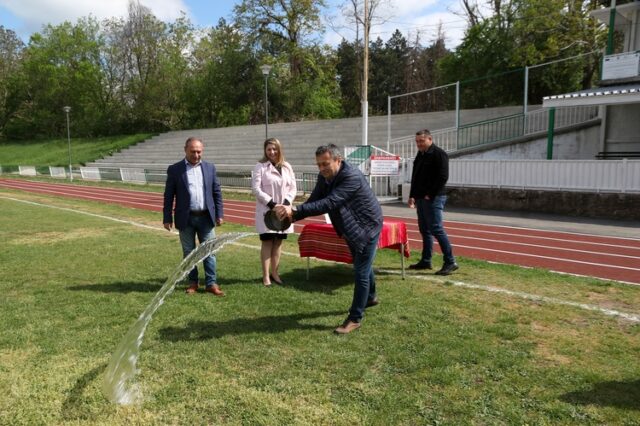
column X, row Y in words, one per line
column 365, row 286
column 203, row 228
column 430, row 224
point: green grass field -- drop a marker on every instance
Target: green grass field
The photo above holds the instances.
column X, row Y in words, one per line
column 433, row 352
column 55, row 152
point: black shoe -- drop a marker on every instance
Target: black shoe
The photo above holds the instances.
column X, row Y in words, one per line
column 372, row 302
column 421, row 265
column 276, row 281
column 447, row 269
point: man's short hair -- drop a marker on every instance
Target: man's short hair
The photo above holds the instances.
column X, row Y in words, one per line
column 424, row 132
column 192, row 139
column 331, row 148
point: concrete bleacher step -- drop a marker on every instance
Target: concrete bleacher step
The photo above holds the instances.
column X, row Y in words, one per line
column 240, row 147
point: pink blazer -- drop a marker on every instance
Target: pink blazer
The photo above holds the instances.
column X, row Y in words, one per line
column 267, row 184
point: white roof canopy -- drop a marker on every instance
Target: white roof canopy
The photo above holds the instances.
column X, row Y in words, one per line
column 624, row 14
column 612, row 95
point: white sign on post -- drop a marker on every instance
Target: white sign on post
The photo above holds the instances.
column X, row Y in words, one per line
column 385, row 165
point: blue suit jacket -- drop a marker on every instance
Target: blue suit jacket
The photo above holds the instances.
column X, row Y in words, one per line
column 177, row 187
column 352, row 206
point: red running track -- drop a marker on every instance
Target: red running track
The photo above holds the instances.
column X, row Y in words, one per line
column 588, row 255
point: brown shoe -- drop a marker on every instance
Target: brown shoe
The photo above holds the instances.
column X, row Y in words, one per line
column 215, row 289
column 347, row 327
column 193, row 288
column 372, row 302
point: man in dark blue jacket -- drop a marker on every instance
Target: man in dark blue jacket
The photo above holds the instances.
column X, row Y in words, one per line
column 344, row 193
column 194, row 185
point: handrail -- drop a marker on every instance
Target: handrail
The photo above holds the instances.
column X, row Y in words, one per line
column 491, row 120
column 496, row 129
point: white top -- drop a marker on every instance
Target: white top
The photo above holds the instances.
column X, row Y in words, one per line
column 267, row 184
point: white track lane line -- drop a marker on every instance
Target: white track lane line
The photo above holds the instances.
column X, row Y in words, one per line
column 514, row 253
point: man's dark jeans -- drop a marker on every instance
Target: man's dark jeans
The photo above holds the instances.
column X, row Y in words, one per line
column 365, row 280
column 430, row 224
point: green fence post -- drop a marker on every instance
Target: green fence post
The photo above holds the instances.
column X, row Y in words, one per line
column 612, row 25
column 552, row 124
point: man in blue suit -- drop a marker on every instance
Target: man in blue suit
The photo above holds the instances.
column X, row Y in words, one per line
column 194, row 185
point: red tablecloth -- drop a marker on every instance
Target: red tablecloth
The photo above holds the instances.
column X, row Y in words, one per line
column 321, row 241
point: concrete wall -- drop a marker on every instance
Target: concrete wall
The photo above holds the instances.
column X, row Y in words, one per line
column 623, row 128
column 578, row 204
column 567, row 203
column 581, row 143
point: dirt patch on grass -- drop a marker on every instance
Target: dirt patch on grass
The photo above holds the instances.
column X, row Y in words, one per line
column 544, row 348
column 48, row 238
column 608, row 301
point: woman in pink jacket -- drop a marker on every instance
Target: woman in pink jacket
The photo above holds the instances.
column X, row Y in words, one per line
column 273, row 182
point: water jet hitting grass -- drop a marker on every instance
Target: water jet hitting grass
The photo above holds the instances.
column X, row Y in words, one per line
column 117, row 385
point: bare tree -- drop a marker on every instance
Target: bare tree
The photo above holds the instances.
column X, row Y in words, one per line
column 353, row 13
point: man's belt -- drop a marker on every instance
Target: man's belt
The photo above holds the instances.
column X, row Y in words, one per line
column 199, row 212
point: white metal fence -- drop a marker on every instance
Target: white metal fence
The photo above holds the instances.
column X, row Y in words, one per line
column 620, row 176
column 614, row 176
column 27, row 170
column 58, row 172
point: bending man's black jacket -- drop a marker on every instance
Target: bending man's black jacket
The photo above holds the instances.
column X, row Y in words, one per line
column 430, row 173
column 352, row 206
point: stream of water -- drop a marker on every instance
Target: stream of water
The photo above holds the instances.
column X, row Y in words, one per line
column 118, row 385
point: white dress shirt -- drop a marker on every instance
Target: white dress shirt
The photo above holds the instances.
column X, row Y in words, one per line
column 196, row 186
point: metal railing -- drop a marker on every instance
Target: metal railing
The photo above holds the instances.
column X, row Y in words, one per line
column 496, row 130
column 490, row 131
column 384, row 186
column 619, row 176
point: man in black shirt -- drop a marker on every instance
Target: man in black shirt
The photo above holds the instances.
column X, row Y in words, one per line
column 430, row 174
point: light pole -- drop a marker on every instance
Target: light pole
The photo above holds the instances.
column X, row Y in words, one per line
column 67, row 109
column 266, row 69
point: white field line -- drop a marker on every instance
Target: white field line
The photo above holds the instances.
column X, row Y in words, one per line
column 527, row 296
column 67, row 209
column 519, row 294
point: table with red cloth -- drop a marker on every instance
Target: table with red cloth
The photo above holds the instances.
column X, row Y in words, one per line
column 321, row 241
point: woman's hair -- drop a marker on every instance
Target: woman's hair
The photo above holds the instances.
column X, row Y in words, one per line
column 280, row 158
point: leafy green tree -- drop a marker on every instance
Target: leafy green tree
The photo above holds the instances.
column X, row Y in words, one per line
column 282, row 26
column 315, row 94
column 143, row 39
column 522, row 33
column 226, row 86
column 11, row 48
column 60, row 67
column 348, row 69
column 421, row 73
column 388, row 64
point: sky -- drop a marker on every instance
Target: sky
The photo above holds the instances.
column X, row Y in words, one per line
column 409, row 16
